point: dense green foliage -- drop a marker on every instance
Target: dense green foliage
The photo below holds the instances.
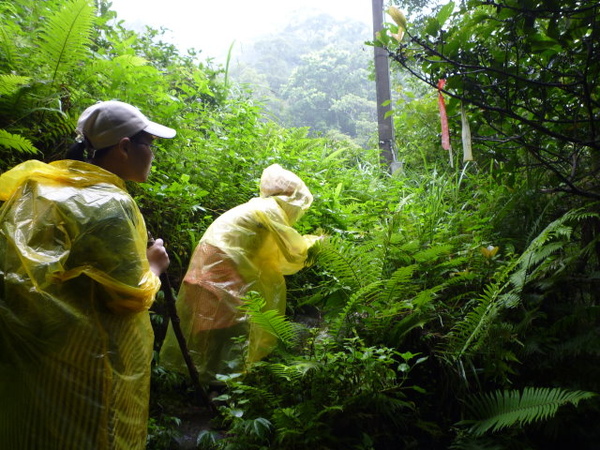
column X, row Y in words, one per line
column 526, row 72
column 448, row 307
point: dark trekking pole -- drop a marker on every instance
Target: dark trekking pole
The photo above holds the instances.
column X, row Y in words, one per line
column 172, row 314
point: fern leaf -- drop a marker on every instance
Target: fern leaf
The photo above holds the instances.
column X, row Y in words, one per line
column 398, row 278
column 269, row 320
column 284, row 372
column 433, row 253
column 501, row 409
column 475, row 324
column 470, row 334
column 398, row 330
column 66, row 36
column 276, row 324
column 16, row 142
column 352, row 267
column 9, row 84
column 9, row 33
column 294, row 371
column 130, row 60
column 364, row 295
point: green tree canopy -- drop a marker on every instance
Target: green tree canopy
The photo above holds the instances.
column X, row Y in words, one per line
column 330, row 89
column 527, row 74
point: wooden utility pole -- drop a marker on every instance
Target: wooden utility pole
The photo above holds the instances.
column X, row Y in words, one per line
column 385, row 125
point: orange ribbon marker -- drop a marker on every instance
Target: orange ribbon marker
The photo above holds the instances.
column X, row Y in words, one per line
column 443, row 116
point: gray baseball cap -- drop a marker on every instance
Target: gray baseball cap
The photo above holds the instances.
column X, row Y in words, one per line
column 106, row 123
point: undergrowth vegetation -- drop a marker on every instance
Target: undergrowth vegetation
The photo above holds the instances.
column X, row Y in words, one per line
column 448, row 307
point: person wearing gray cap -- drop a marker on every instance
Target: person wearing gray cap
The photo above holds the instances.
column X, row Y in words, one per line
column 76, row 284
column 110, row 134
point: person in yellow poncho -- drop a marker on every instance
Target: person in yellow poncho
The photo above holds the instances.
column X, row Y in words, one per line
column 248, row 248
column 76, row 282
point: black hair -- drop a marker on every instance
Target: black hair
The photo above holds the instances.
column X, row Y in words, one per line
column 83, row 151
column 76, row 151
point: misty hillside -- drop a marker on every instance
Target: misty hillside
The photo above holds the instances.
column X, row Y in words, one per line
column 316, row 72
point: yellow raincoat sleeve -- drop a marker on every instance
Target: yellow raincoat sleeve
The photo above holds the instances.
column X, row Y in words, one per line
column 290, row 249
column 75, row 288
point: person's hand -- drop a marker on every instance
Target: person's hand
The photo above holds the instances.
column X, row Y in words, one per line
column 158, row 257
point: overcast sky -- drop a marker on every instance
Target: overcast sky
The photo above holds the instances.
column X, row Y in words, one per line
column 212, row 25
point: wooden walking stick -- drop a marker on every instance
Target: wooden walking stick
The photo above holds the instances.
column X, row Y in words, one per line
column 172, row 314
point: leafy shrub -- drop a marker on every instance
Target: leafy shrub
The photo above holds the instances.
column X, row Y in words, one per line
column 330, row 396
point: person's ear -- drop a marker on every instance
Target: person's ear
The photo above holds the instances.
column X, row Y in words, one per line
column 124, row 148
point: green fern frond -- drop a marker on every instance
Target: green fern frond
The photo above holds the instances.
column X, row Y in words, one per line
column 509, row 300
column 364, row 295
column 433, row 253
column 454, row 263
column 369, row 259
column 9, row 32
column 398, row 330
column 130, row 60
column 551, row 239
column 276, row 324
column 269, row 320
column 410, row 246
column 352, row 267
column 400, row 277
column 476, row 321
column 471, row 333
column 546, row 249
column 60, row 125
column 284, row 372
column 501, row 409
column 519, row 277
column 10, row 84
column 535, row 256
column 294, row 371
column 460, row 278
column 66, row 35
column 267, row 396
column 338, row 261
column 16, row 142
column 424, row 298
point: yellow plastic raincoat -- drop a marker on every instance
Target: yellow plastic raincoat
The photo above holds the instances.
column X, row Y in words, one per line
column 75, row 288
column 249, row 248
